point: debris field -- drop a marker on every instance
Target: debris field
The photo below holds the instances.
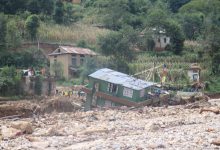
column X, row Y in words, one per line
column 172, row 127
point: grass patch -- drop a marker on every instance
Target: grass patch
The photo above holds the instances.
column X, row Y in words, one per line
column 69, row 83
column 70, row 34
column 213, row 86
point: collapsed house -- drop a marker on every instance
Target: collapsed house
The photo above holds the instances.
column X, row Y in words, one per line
column 109, row 88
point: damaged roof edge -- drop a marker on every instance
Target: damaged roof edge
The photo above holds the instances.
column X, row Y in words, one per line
column 73, row 50
column 122, row 79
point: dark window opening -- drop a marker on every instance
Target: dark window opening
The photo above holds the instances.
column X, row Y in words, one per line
column 165, row 40
column 112, row 88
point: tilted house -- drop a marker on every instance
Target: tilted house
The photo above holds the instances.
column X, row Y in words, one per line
column 111, row 88
column 72, row 58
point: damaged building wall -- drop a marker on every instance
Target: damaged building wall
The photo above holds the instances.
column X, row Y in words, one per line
column 47, row 86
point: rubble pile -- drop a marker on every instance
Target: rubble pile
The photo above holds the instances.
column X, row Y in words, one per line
column 143, row 128
column 21, row 108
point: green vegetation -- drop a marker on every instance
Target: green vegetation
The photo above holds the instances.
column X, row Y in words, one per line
column 9, row 81
column 32, row 24
column 123, row 31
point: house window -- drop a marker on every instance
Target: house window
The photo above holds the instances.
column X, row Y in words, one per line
column 55, row 58
column 82, row 57
column 128, row 92
column 142, row 93
column 195, row 77
column 112, row 88
column 165, row 40
column 58, row 50
column 74, row 60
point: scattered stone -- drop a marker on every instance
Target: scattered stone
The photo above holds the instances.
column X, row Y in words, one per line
column 9, row 133
column 152, row 127
column 210, row 130
column 216, row 142
column 33, row 139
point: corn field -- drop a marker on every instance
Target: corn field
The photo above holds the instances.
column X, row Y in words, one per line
column 70, row 34
column 177, row 68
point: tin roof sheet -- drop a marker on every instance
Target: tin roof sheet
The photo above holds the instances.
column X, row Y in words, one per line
column 121, row 79
column 73, row 50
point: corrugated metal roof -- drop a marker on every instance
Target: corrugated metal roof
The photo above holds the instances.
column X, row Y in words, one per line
column 73, row 50
column 120, row 78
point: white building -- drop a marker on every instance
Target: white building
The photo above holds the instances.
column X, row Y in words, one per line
column 161, row 39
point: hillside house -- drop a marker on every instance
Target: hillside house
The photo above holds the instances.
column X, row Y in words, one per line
column 72, row 58
column 161, row 40
column 108, row 88
column 194, row 73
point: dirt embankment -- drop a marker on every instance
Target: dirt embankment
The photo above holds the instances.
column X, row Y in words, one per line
column 27, row 108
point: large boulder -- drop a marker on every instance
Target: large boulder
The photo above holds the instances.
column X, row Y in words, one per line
column 23, row 126
column 9, row 133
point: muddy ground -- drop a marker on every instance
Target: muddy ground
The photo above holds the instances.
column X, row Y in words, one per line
column 172, row 127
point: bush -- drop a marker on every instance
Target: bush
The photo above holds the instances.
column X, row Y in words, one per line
column 9, row 81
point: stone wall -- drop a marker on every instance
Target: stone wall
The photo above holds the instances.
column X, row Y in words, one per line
column 48, row 86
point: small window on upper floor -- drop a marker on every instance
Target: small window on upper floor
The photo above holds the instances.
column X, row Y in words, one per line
column 165, row 40
column 158, row 40
column 58, row 51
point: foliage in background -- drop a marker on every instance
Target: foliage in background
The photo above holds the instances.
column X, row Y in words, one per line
column 9, row 81
column 118, row 46
column 13, row 37
column 32, row 24
column 2, row 31
column 59, row 12
column 27, row 58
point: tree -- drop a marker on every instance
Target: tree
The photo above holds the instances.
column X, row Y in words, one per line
column 32, row 24
column 68, row 13
column 59, row 12
column 47, row 7
column 13, row 37
column 212, row 38
column 119, row 13
column 12, row 6
column 119, row 46
column 34, row 6
column 176, row 4
column 2, row 31
column 175, row 32
column 9, row 81
column 193, row 25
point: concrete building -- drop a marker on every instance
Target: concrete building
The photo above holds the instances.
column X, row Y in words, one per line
column 194, row 73
column 71, row 58
column 161, row 40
